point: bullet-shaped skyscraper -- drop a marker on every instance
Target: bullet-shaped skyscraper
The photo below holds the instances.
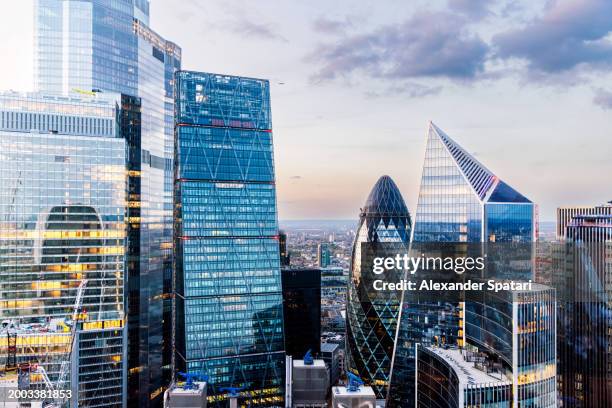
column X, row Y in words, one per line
column 372, row 318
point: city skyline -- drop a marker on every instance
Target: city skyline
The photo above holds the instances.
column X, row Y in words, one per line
column 335, row 120
column 143, row 183
column 337, row 116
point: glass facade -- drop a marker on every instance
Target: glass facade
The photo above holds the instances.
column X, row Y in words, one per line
column 460, row 200
column 106, row 46
column 302, row 311
column 150, row 268
column 228, row 293
column 447, row 377
column 585, row 324
column 372, row 321
column 85, row 45
column 448, row 210
column 63, row 207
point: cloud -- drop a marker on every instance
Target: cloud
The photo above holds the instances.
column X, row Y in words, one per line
column 259, row 30
column 471, row 8
column 410, row 90
column 603, row 98
column 433, row 45
column 330, row 26
column 568, row 35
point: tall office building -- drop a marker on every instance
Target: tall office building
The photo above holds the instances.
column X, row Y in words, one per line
column 285, row 257
column 302, row 310
column 324, row 255
column 228, row 293
column 585, row 326
column 565, row 215
column 107, row 46
column 63, row 202
column 460, row 201
column 333, row 299
column 151, row 183
column 371, row 320
column 514, row 333
column 86, row 45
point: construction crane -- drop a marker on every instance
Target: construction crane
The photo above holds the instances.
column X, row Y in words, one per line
column 65, row 367
column 59, row 399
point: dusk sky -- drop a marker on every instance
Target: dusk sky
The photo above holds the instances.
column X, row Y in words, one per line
column 525, row 88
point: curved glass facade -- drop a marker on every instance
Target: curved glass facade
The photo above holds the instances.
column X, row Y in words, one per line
column 228, row 294
column 372, row 322
column 448, row 377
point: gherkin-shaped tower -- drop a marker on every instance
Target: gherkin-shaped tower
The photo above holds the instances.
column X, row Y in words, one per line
column 384, row 224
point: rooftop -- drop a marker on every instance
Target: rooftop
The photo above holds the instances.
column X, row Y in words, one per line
column 329, row 347
column 465, row 370
column 316, row 363
column 364, row 391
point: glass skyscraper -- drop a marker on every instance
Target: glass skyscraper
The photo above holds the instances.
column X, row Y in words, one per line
column 85, row 45
column 107, row 46
column 461, row 201
column 228, row 293
column 151, row 183
column 63, row 200
column 372, row 320
column 585, row 317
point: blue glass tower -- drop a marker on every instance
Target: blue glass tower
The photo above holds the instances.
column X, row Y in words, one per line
column 460, row 200
column 372, row 320
column 228, row 293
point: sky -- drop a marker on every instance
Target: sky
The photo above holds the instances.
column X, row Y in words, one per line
column 526, row 87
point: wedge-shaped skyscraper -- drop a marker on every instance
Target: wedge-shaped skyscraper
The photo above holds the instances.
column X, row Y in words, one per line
column 460, row 200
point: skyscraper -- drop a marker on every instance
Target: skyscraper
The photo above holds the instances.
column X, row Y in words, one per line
column 228, row 293
column 460, row 201
column 285, row 257
column 372, row 321
column 585, row 327
column 323, row 255
column 86, row 45
column 565, row 215
column 63, row 201
column 447, row 377
column 302, row 310
column 107, row 46
column 151, row 182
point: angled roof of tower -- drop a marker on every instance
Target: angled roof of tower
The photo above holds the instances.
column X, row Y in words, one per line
column 385, row 199
column 487, row 186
